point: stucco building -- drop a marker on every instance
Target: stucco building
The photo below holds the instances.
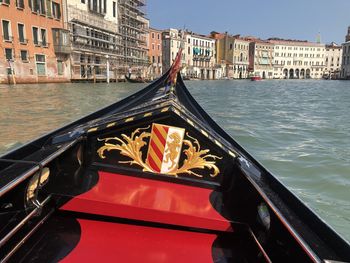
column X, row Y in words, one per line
column 295, row 59
column 34, row 43
column 171, row 42
column 200, row 56
column 333, row 60
column 261, row 58
column 345, row 70
column 233, row 54
column 155, row 52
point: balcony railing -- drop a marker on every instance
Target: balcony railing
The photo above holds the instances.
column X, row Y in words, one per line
column 61, row 41
column 62, row 49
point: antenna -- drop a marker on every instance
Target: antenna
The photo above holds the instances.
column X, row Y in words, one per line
column 318, row 38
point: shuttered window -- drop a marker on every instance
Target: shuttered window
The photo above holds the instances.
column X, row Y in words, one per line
column 40, row 65
column 9, row 53
column 21, row 33
column 59, row 67
column 6, row 30
column 35, row 36
column 24, row 55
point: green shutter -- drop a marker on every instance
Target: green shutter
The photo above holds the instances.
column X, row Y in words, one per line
column 48, row 7
column 40, row 68
column 59, row 67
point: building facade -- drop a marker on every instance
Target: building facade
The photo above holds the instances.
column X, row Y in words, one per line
column 171, row 42
column 34, row 43
column 296, row 59
column 345, row 70
column 233, row 54
column 261, row 58
column 108, row 38
column 155, row 53
column 333, row 60
column 199, row 55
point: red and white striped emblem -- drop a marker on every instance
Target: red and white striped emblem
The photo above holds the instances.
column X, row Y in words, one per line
column 164, row 148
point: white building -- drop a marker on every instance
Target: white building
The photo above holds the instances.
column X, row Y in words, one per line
column 171, row 42
column 200, row 56
column 333, row 61
column 345, row 70
column 298, row 59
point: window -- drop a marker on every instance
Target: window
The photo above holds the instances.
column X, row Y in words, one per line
column 21, row 38
column 6, row 30
column 153, row 59
column 9, row 54
column 43, row 37
column 114, row 9
column 24, row 55
column 59, row 67
column 158, row 46
column 158, row 36
column 49, row 8
column 153, row 35
column 6, row 2
column 82, row 1
column 56, row 10
column 20, row 4
column 38, row 6
column 40, row 65
column 35, row 36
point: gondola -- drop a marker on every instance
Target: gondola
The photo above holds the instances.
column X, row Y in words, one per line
column 152, row 178
column 137, row 80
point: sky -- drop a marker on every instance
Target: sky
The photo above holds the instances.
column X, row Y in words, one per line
column 291, row 19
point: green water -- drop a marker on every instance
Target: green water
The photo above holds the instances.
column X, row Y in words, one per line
column 298, row 129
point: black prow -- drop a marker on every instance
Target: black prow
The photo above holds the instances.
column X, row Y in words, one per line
column 230, row 197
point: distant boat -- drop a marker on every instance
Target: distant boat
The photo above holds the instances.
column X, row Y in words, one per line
column 255, row 77
column 136, row 80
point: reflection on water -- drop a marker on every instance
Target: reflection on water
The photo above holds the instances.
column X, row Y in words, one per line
column 298, row 129
column 27, row 111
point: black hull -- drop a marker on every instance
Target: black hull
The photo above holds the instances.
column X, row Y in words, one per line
column 87, row 160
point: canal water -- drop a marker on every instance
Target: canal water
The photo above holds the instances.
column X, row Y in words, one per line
column 298, row 129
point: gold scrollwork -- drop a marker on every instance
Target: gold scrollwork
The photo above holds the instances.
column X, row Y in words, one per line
column 131, row 147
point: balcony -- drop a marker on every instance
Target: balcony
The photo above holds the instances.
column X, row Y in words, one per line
column 61, row 41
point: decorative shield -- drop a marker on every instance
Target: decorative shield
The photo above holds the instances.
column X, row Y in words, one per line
column 164, row 148
column 164, row 151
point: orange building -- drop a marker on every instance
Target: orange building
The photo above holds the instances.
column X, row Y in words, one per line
column 34, row 46
column 155, row 52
